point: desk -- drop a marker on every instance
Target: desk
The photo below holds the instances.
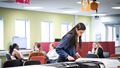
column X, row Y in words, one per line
column 109, row 63
column 34, row 66
column 3, row 53
column 24, row 52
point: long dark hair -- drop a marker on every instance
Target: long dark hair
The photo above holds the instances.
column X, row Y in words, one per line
column 73, row 40
column 12, row 47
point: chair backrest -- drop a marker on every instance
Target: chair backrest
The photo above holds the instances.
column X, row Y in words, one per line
column 12, row 63
column 8, row 57
column 32, row 62
column 35, row 54
column 42, row 59
column 92, row 56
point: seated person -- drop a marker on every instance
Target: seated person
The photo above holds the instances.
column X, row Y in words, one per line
column 97, row 50
column 14, row 52
column 52, row 54
column 37, row 51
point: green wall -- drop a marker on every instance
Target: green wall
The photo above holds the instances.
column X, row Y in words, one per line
column 35, row 17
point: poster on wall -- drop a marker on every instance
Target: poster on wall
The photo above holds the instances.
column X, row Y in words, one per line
column 21, row 41
column 98, row 37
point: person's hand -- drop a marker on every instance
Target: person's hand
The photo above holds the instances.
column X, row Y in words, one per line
column 70, row 58
column 77, row 55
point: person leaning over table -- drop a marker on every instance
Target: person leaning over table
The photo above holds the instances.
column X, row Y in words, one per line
column 67, row 49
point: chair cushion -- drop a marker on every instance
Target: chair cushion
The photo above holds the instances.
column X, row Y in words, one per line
column 41, row 59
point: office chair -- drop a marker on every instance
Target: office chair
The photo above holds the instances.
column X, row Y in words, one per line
column 92, row 56
column 41, row 59
column 12, row 63
column 32, row 62
column 8, row 57
column 35, row 54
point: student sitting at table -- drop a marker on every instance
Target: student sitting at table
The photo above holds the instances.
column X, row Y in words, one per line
column 97, row 50
column 14, row 51
column 52, row 54
column 37, row 51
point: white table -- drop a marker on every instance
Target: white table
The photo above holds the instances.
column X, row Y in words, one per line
column 34, row 66
column 109, row 63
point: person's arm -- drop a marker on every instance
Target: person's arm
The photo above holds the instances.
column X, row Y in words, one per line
column 18, row 54
column 64, row 44
column 93, row 51
column 77, row 55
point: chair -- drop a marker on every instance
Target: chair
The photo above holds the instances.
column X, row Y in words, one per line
column 32, row 62
column 114, row 55
column 92, row 56
column 12, row 63
column 41, row 59
column 8, row 57
column 35, row 54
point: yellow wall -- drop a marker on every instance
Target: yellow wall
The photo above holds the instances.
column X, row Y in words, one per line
column 87, row 20
column 84, row 19
column 35, row 17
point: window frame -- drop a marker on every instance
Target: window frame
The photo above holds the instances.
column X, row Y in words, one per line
column 50, row 38
column 2, row 32
column 26, row 31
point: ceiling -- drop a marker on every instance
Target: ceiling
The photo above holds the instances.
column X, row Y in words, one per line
column 64, row 6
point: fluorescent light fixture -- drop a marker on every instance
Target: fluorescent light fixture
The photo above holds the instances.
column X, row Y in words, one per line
column 69, row 11
column 105, row 19
column 98, row 14
column 78, row 2
column 86, row 1
column 115, row 7
column 33, row 8
column 96, row 2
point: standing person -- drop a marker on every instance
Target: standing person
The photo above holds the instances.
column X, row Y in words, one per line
column 67, row 48
column 14, row 51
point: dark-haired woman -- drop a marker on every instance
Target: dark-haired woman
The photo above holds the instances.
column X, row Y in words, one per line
column 14, row 52
column 67, row 48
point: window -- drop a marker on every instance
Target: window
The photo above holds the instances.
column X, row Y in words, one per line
column 47, row 32
column 65, row 27
column 110, row 33
column 22, row 30
column 1, row 34
column 113, row 34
